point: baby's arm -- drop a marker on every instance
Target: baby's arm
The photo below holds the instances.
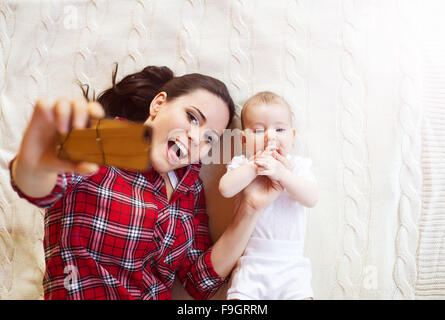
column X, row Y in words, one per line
column 235, row 180
column 301, row 190
column 277, row 167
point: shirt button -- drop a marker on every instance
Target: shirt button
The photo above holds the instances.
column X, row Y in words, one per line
column 158, row 238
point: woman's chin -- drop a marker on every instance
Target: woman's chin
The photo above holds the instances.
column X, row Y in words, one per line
column 164, row 165
column 161, row 165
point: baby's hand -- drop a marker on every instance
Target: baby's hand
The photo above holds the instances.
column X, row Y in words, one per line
column 251, row 160
column 269, row 166
column 278, row 154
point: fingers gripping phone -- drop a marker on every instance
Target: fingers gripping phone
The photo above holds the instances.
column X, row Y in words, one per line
column 108, row 142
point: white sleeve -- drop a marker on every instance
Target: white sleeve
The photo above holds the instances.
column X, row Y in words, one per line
column 302, row 167
column 236, row 162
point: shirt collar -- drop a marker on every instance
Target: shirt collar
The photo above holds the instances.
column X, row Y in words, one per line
column 186, row 177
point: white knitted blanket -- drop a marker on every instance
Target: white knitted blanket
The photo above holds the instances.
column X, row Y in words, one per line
column 366, row 81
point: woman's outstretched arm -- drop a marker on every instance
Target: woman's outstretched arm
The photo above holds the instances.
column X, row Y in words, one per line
column 230, row 246
column 35, row 168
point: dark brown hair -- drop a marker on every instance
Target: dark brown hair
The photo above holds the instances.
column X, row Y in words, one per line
column 130, row 97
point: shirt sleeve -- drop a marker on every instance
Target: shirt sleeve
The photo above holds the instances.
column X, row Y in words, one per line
column 237, row 162
column 302, row 168
column 197, row 274
column 64, row 181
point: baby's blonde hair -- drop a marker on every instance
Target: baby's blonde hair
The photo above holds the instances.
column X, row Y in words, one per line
column 265, row 97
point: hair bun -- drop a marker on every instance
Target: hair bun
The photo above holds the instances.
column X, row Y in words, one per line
column 130, row 97
column 158, row 74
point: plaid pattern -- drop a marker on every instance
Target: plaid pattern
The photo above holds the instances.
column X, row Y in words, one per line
column 114, row 235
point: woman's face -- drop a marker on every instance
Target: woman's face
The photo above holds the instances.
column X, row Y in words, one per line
column 185, row 128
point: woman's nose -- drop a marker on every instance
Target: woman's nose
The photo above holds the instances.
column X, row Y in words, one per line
column 194, row 135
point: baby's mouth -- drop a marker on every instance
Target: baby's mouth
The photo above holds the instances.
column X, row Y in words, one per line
column 272, row 145
column 176, row 149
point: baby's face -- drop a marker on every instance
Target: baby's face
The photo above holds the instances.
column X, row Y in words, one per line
column 268, row 126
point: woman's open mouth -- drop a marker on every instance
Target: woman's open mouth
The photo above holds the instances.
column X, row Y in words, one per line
column 176, row 151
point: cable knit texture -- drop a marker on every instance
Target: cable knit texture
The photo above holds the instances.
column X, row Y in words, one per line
column 365, row 83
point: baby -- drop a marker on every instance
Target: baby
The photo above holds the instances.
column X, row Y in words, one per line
column 272, row 266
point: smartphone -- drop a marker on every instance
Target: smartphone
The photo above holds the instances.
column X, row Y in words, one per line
column 108, row 142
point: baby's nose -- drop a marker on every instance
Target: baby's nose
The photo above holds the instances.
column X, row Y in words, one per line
column 270, row 135
column 271, row 138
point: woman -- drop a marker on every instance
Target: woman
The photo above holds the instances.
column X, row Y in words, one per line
column 117, row 234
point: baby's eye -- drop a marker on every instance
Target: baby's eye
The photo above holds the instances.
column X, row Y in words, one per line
column 193, row 119
column 280, row 130
column 258, row 130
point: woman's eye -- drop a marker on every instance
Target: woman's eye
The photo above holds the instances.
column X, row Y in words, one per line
column 210, row 139
column 193, row 120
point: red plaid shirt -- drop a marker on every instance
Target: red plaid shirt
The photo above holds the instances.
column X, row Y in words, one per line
column 114, row 235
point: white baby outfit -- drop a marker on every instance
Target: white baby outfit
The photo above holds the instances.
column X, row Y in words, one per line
column 273, row 266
